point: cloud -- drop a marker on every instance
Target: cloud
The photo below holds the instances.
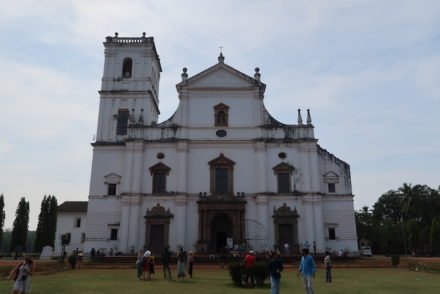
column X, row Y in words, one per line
column 369, row 73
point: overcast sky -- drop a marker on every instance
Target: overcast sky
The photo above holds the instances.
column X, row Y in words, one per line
column 368, row 70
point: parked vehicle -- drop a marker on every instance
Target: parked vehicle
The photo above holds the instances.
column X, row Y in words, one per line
column 366, row 251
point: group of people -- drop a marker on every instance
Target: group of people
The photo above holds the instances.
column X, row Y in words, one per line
column 145, row 264
column 306, row 270
column 23, row 271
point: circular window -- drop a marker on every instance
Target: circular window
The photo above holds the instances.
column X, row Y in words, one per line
column 221, row 133
column 282, row 155
column 160, row 155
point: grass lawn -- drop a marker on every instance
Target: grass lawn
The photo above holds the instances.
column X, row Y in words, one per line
column 216, row 281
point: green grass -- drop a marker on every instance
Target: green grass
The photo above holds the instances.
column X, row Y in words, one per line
column 217, row 281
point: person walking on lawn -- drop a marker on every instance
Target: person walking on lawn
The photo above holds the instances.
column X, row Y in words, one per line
column 307, row 269
column 275, row 269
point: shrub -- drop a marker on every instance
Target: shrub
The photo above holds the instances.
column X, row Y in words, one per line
column 261, row 272
column 236, row 271
column 395, row 260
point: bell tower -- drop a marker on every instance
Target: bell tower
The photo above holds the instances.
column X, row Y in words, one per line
column 130, row 86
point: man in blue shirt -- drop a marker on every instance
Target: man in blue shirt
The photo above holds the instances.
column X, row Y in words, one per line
column 307, row 269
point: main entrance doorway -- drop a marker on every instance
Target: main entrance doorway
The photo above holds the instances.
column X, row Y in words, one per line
column 157, row 238
column 285, row 235
column 221, row 229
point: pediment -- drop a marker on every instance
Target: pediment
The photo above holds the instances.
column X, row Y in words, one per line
column 283, row 167
column 112, row 178
column 221, row 161
column 331, row 177
column 221, row 75
column 160, row 167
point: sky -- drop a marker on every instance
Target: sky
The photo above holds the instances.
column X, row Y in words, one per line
column 369, row 71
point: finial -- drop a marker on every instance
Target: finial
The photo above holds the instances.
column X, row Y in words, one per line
column 116, row 34
column 309, row 118
column 141, row 117
column 257, row 74
column 143, row 35
column 132, row 120
column 221, row 58
column 300, row 120
column 184, row 74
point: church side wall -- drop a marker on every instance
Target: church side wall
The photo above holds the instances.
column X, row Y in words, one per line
column 103, row 213
column 338, row 213
column 106, row 160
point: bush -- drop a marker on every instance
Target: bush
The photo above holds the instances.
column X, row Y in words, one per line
column 395, row 260
column 261, row 272
column 236, row 271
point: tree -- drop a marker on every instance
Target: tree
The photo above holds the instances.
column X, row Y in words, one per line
column 52, row 221
column 435, row 236
column 403, row 219
column 20, row 226
column 2, row 216
column 46, row 227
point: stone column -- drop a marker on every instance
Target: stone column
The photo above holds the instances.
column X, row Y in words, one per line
column 263, row 218
column 181, row 220
column 182, row 172
column 313, row 222
column 260, row 158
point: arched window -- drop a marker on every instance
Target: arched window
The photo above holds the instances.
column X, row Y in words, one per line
column 222, row 175
column 284, row 171
column 127, row 66
column 221, row 115
column 159, row 172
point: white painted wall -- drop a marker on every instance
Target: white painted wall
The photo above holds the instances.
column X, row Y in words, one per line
column 66, row 224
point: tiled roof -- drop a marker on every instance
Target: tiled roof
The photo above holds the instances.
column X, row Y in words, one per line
column 73, row 206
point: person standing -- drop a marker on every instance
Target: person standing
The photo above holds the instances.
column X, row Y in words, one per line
column 275, row 269
column 190, row 263
column 93, row 253
column 22, row 275
column 150, row 262
column 181, row 259
column 307, row 269
column 73, row 259
column 139, row 264
column 166, row 256
column 328, row 267
column 249, row 262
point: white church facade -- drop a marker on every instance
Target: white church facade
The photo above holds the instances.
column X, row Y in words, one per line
column 220, row 172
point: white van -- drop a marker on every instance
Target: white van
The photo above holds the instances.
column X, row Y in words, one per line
column 366, row 251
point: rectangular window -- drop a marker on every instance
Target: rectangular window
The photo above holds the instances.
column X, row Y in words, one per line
column 331, row 188
column 111, row 189
column 114, row 234
column 159, row 182
column 121, row 128
column 78, row 222
column 83, row 237
column 283, row 182
column 331, row 234
column 221, row 180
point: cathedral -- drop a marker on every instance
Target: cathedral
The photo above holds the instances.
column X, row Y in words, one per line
column 221, row 172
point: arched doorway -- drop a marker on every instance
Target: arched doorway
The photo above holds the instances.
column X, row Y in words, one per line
column 221, row 229
column 157, row 221
column 286, row 228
